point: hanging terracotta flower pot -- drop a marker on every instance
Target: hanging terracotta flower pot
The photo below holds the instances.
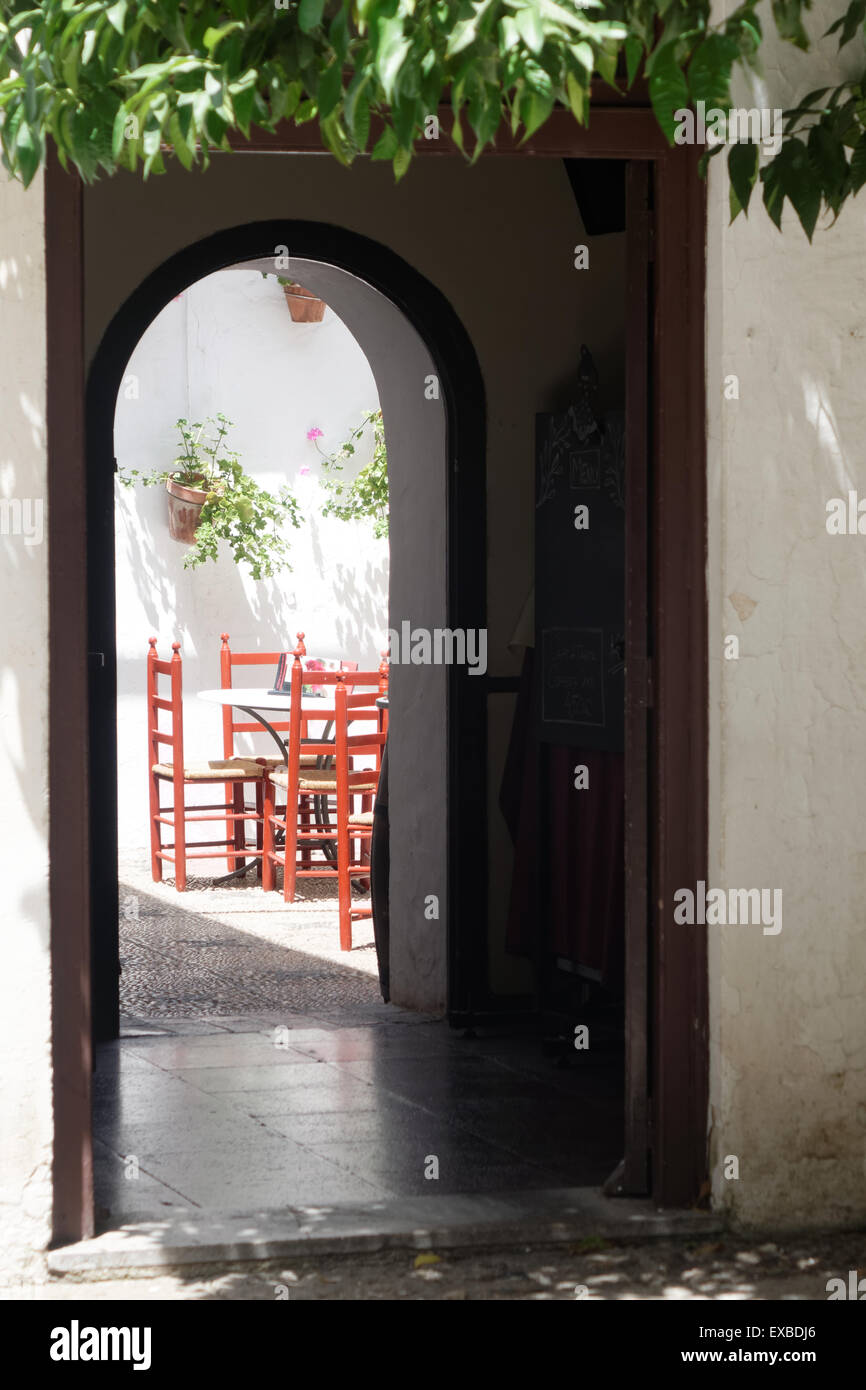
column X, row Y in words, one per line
column 304, row 306
column 184, row 509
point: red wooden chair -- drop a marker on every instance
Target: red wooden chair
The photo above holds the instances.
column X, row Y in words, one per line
column 235, row 774
column 355, row 695
column 229, row 662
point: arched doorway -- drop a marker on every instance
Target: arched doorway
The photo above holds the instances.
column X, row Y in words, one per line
column 412, row 338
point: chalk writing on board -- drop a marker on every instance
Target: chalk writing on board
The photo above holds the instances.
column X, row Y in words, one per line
column 573, row 661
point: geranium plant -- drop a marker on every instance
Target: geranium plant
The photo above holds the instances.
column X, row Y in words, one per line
column 366, row 496
column 235, row 509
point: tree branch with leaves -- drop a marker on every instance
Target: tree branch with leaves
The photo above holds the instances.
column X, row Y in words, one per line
column 126, row 84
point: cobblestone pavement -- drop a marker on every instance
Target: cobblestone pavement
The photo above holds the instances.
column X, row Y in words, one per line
column 728, row 1268
column 225, row 950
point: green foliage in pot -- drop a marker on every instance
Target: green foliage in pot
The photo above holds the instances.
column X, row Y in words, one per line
column 366, row 497
column 236, row 510
column 280, row 279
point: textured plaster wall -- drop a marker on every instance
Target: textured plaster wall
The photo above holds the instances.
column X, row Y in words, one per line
column 25, row 981
column 788, row 719
column 415, row 434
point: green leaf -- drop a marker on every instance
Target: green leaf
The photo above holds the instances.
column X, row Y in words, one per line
column 668, row 90
column 462, row 35
column 70, row 67
column 185, row 154
column 116, row 14
column 790, row 175
column 828, row 160
column 118, row 132
column 243, row 97
column 310, row 15
column 356, row 110
column 578, row 98
column 386, row 146
column 743, row 172
column 633, row 53
column 849, row 22
column 28, row 151
column 391, row 54
column 214, row 37
column 606, row 58
column 789, row 22
column 530, row 29
column 857, row 167
column 704, row 162
column 330, row 89
column 537, row 112
column 709, row 73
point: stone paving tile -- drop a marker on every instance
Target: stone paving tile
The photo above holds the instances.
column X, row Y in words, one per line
column 231, row 1079
column 463, row 1178
column 346, row 1127
column 229, row 1050
column 120, row 1198
column 177, row 1104
column 267, row 1022
column 350, row 1096
column 405, row 1152
column 277, row 1173
column 350, row 1045
column 132, row 1028
column 225, row 1129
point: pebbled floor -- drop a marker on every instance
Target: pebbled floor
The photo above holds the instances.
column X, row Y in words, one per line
column 230, row 949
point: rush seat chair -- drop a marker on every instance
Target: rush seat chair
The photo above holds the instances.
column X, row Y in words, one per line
column 234, row 774
column 355, row 695
column 230, row 661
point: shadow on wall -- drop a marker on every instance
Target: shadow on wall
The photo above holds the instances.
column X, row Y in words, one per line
column 270, row 606
column 360, row 606
column 166, row 590
column 359, row 594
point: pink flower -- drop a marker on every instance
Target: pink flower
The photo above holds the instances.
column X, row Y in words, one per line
column 304, row 472
column 315, row 433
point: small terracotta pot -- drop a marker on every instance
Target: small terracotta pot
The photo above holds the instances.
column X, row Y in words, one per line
column 304, row 307
column 184, row 510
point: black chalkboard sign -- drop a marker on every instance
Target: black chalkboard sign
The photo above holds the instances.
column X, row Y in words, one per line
column 580, row 577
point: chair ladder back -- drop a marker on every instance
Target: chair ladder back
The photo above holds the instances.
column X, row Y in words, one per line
column 232, row 726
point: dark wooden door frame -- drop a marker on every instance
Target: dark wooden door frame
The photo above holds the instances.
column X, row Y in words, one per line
column 678, row 736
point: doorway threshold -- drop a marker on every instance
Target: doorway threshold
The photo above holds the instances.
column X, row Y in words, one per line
column 541, row 1217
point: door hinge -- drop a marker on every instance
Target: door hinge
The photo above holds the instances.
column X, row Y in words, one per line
column 97, row 657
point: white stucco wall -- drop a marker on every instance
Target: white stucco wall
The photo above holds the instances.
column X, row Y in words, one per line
column 229, row 345
column 788, row 718
column 25, row 980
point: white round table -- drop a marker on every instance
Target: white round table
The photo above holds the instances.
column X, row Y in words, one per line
column 254, row 699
